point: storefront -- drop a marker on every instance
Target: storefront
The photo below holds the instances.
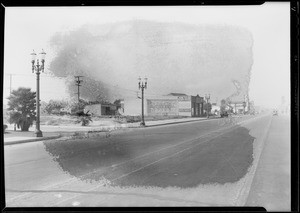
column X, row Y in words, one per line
column 197, row 106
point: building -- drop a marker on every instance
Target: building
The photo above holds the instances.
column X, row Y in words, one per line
column 197, row 106
column 173, row 104
column 184, row 103
column 101, row 109
column 239, row 104
column 215, row 109
column 238, row 107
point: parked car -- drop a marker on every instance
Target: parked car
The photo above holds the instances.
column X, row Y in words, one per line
column 275, row 112
column 224, row 114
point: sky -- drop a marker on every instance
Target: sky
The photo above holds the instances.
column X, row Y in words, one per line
column 28, row 28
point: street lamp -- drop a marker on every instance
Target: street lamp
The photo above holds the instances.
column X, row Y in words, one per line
column 37, row 68
column 207, row 97
column 142, row 86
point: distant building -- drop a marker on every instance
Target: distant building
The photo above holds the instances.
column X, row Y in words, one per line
column 238, row 107
column 197, row 106
column 173, row 104
column 184, row 104
column 239, row 104
column 215, row 109
column 101, row 109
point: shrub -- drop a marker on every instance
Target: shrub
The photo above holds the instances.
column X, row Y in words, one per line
column 55, row 106
column 4, row 127
column 132, row 119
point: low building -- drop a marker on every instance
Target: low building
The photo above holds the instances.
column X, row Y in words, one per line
column 239, row 104
column 154, row 105
column 215, row 109
column 173, row 104
column 101, row 109
column 197, row 106
column 238, row 107
column 184, row 103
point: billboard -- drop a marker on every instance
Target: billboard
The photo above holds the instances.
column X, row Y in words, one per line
column 162, row 107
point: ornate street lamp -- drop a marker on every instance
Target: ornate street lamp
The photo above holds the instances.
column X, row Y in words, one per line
column 207, row 97
column 38, row 68
column 142, row 86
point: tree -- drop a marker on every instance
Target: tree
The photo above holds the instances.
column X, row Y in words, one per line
column 55, row 106
column 43, row 106
column 117, row 102
column 223, row 105
column 22, row 105
column 207, row 107
column 75, row 107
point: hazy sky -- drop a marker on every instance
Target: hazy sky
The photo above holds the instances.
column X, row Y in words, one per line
column 31, row 28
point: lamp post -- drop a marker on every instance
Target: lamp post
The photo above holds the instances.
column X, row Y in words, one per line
column 38, row 68
column 207, row 97
column 142, row 86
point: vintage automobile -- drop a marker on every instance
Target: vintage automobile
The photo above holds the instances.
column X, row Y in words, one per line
column 224, row 114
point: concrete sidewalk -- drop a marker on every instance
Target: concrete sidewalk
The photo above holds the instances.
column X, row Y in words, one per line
column 53, row 132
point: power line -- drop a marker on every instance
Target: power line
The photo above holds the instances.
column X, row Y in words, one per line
column 29, row 75
column 78, row 93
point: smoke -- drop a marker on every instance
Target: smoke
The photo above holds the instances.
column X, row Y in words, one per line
column 175, row 57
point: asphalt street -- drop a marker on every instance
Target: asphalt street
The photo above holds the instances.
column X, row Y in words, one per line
column 203, row 163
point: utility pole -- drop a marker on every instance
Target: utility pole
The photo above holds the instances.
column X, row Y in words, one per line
column 10, row 81
column 78, row 81
column 207, row 97
column 10, row 84
column 142, row 86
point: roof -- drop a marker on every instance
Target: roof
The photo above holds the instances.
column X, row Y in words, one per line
column 177, row 94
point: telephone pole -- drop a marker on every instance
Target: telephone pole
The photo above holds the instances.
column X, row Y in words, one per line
column 78, row 81
column 10, row 84
column 10, row 81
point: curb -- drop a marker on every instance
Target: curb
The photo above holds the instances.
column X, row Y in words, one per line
column 103, row 134
column 179, row 122
column 32, row 140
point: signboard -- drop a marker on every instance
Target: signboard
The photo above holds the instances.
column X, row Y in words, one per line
column 185, row 107
column 162, row 107
column 184, row 98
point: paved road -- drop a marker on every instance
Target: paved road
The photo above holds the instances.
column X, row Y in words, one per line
column 194, row 164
